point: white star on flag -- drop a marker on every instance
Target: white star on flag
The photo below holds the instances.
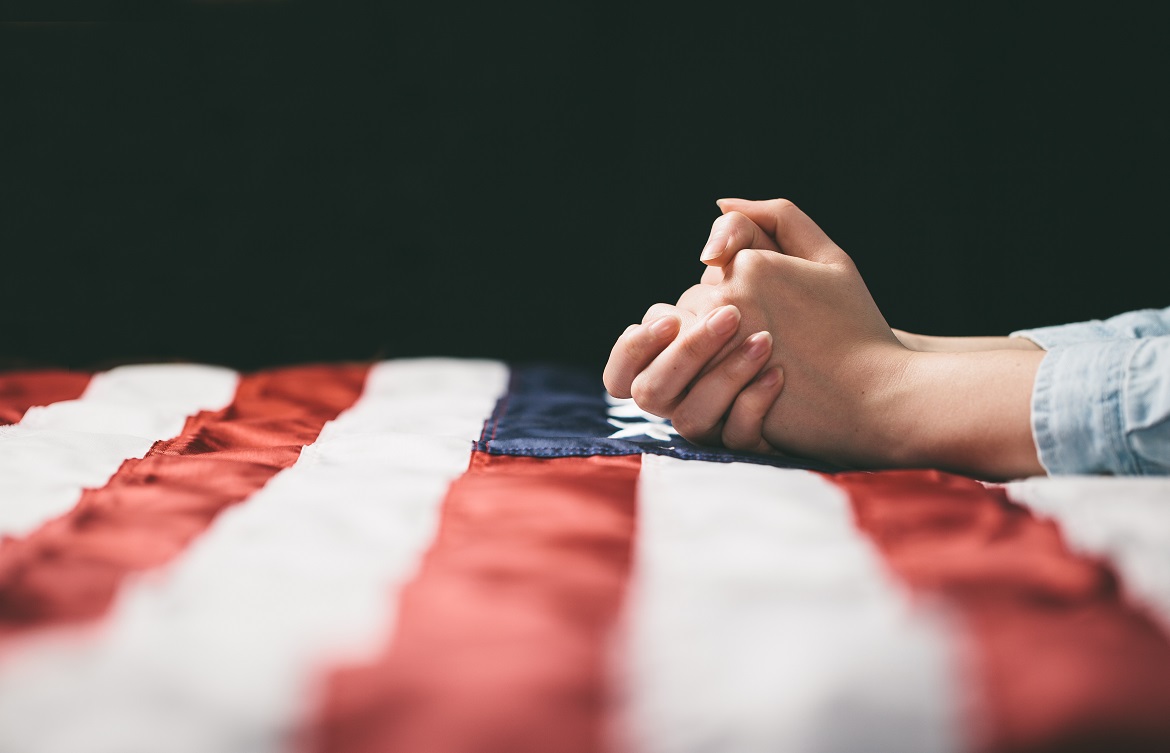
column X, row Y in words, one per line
column 645, row 424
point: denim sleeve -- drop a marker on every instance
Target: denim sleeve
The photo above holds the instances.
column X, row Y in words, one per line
column 1128, row 326
column 1104, row 407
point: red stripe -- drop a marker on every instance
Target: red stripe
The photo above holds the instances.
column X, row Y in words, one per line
column 150, row 510
column 500, row 643
column 21, row 390
column 1061, row 660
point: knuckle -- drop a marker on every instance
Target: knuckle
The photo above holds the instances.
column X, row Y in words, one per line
column 753, row 403
column 684, row 423
column 736, row 371
column 732, row 374
column 751, row 260
column 615, row 383
column 717, row 297
column 628, row 350
column 744, row 428
column 692, row 427
column 697, row 297
column 628, row 337
column 783, row 206
column 730, row 438
column 641, row 392
column 737, row 436
column 734, row 439
column 613, row 387
column 743, row 231
column 695, row 346
column 648, row 395
column 736, row 221
column 657, row 310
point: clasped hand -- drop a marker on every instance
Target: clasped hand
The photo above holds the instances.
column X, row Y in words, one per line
column 779, row 348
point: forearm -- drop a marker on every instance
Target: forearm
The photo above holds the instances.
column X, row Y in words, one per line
column 1104, row 407
column 968, row 412
column 1132, row 325
column 936, row 344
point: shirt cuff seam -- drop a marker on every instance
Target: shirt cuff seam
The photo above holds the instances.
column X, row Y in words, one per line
column 1055, row 425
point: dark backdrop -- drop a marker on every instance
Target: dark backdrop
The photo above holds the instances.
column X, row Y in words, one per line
column 253, row 184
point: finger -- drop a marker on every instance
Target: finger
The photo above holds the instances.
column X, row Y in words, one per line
column 634, row 350
column 659, row 310
column 743, row 428
column 730, row 233
column 712, row 276
column 699, row 417
column 697, row 301
column 659, row 388
column 792, row 230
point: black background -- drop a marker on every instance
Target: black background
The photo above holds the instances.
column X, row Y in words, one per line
column 254, row 184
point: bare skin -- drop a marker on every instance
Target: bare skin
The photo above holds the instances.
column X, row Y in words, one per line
column 727, row 402
column 854, row 391
column 934, row 344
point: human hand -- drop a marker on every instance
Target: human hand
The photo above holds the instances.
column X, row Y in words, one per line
column 739, row 228
column 842, row 362
column 853, row 393
column 708, row 403
column 724, row 404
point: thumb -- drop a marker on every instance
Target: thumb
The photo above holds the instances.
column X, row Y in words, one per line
column 793, row 230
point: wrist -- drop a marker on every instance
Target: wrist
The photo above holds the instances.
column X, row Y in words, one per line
column 1021, row 343
column 884, row 410
column 968, row 412
column 897, row 413
column 911, row 340
column 938, row 344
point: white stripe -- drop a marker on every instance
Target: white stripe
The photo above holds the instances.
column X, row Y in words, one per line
column 220, row 652
column 760, row 619
column 58, row 450
column 1125, row 520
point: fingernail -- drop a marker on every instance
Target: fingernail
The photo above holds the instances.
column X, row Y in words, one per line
column 757, row 346
column 664, row 326
column 723, row 321
column 769, row 378
column 714, row 248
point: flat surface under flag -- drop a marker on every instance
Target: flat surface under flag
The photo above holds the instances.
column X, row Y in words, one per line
column 453, row 555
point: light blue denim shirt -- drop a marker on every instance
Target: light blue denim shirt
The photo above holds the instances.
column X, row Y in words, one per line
column 1101, row 401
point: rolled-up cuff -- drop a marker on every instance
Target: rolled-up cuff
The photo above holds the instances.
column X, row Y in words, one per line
column 1078, row 411
column 1131, row 325
column 1067, row 334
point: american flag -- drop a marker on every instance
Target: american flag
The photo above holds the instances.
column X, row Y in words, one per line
column 440, row 555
